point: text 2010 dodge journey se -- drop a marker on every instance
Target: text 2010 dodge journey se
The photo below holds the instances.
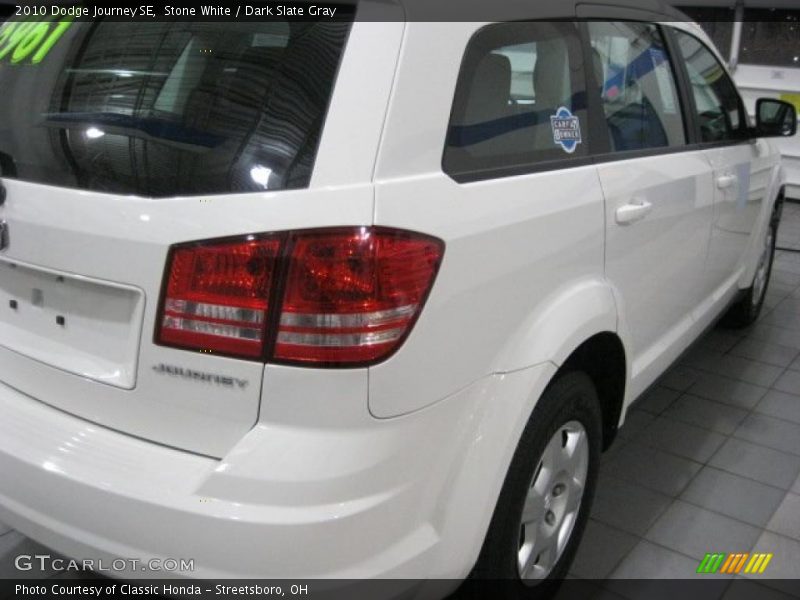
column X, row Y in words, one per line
column 357, row 299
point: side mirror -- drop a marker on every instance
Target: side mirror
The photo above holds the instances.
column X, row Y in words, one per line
column 775, row 118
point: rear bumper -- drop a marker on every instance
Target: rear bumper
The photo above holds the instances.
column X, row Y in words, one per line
column 412, row 500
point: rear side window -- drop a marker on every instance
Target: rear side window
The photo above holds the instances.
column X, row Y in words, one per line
column 720, row 111
column 639, row 91
column 168, row 108
column 520, row 101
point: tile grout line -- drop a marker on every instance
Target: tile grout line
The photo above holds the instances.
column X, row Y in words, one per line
column 704, row 465
column 749, row 412
column 672, row 498
column 752, row 360
column 661, row 546
column 728, row 437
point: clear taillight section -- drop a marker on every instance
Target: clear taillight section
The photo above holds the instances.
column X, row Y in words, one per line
column 217, row 296
column 344, row 297
column 351, row 296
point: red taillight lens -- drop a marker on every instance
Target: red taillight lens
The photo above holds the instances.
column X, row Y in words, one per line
column 217, row 296
column 347, row 297
column 351, row 297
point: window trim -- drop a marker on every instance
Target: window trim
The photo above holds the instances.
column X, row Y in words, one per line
column 600, row 142
column 684, row 83
column 647, row 153
column 608, row 154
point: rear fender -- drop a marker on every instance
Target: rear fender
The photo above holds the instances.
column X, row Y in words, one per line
column 565, row 320
column 756, row 241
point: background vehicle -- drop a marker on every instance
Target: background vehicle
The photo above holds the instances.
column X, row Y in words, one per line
column 269, row 286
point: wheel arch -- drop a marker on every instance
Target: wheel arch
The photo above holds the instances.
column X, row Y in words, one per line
column 578, row 329
column 602, row 357
column 774, row 198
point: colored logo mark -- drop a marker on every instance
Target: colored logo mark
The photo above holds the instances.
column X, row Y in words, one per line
column 566, row 129
column 734, row 564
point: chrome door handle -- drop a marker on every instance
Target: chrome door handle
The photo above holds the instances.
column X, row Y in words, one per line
column 725, row 182
column 631, row 213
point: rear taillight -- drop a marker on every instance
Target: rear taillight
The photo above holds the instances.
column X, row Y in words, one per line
column 351, row 297
column 343, row 297
column 217, row 296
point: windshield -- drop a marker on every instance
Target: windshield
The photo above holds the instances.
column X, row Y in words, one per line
column 165, row 108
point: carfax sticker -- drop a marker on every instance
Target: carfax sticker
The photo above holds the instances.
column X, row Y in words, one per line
column 566, row 129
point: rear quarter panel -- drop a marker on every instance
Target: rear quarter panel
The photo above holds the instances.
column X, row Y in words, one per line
column 516, row 247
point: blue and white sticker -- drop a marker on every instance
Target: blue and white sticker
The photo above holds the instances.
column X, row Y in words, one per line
column 566, row 129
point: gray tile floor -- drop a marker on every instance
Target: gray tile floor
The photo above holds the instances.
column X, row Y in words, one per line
column 708, row 461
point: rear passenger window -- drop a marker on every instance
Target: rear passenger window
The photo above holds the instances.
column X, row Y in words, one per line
column 719, row 108
column 638, row 88
column 520, row 101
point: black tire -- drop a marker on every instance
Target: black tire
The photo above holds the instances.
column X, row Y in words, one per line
column 571, row 397
column 746, row 310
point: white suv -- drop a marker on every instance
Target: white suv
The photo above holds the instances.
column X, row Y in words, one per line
column 357, row 298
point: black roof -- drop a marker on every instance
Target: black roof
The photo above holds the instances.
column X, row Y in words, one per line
column 518, row 10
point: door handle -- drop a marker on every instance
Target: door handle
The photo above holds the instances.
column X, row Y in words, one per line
column 725, row 182
column 631, row 213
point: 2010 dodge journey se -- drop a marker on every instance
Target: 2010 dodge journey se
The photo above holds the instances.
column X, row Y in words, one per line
column 358, row 298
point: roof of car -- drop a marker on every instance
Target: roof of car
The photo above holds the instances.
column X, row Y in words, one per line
column 770, row 4
column 511, row 10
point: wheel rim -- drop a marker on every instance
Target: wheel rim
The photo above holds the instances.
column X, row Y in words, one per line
column 553, row 502
column 762, row 273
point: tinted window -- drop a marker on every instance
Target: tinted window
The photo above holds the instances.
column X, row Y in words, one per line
column 771, row 37
column 717, row 22
column 169, row 108
column 638, row 88
column 520, row 100
column 719, row 108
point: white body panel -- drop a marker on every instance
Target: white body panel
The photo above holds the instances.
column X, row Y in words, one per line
column 673, row 236
column 565, row 232
column 352, row 479
column 404, row 460
column 124, row 240
column 739, row 206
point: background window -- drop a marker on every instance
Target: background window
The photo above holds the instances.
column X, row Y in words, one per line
column 638, row 89
column 515, row 78
column 771, row 38
column 720, row 110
